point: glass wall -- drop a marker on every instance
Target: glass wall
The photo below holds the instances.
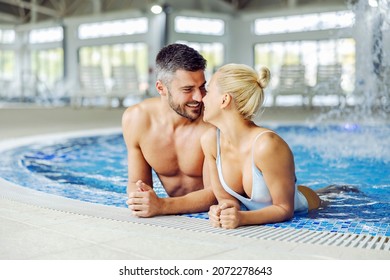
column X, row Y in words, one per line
column 195, row 25
column 311, row 54
column 113, row 28
column 107, row 56
column 210, row 30
column 304, row 23
column 212, row 52
column 7, row 55
column 7, row 72
column 296, row 39
column 7, row 36
column 48, row 65
column 44, row 69
column 7, row 62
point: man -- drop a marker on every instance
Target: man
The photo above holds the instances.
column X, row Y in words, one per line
column 163, row 134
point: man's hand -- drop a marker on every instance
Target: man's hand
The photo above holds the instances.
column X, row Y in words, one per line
column 144, row 202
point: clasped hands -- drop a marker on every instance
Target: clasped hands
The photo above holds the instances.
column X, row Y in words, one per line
column 144, row 202
column 225, row 215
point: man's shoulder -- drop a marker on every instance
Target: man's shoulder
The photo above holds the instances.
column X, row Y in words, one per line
column 141, row 111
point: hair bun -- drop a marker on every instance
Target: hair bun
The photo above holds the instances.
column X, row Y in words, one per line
column 264, row 77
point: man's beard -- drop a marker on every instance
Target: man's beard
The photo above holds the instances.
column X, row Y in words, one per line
column 187, row 112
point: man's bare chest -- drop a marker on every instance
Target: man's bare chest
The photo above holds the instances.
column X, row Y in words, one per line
column 174, row 156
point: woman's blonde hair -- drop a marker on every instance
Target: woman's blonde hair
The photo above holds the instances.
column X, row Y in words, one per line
column 245, row 86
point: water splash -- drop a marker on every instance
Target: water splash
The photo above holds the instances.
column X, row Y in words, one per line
column 363, row 125
column 371, row 96
column 334, row 143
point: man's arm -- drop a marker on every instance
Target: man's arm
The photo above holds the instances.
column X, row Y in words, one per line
column 193, row 202
column 138, row 168
column 142, row 200
column 145, row 203
column 197, row 201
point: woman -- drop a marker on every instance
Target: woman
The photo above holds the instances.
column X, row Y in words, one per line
column 251, row 167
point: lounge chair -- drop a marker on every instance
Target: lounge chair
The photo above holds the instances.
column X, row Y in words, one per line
column 292, row 81
column 91, row 85
column 328, row 82
column 125, row 83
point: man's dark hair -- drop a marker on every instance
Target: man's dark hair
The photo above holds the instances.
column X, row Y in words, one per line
column 177, row 56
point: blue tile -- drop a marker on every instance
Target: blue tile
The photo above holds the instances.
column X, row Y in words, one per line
column 333, row 225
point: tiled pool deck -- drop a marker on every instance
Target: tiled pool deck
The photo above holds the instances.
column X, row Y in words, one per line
column 40, row 226
column 339, row 226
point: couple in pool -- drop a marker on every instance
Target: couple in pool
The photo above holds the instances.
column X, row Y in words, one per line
column 206, row 149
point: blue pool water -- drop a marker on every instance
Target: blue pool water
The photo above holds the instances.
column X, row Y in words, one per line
column 94, row 169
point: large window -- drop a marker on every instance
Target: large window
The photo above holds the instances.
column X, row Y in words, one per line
column 311, row 54
column 48, row 66
column 194, row 25
column 7, row 72
column 7, row 36
column 321, row 57
column 46, row 35
column 40, row 81
column 7, row 56
column 113, row 28
column 212, row 52
column 7, row 64
column 302, row 23
column 108, row 56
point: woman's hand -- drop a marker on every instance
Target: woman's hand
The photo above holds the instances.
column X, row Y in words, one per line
column 229, row 216
column 214, row 214
column 225, row 215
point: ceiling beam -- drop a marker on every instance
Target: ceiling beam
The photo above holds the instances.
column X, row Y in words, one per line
column 30, row 6
column 9, row 18
column 292, row 3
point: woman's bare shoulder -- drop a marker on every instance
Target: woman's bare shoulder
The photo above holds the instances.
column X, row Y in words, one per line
column 269, row 142
column 208, row 139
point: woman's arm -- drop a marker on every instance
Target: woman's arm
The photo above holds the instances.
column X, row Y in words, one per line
column 275, row 160
column 209, row 147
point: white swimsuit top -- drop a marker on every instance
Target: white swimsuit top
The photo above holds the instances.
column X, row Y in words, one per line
column 260, row 196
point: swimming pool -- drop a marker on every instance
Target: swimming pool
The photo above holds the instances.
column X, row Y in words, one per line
column 94, row 169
